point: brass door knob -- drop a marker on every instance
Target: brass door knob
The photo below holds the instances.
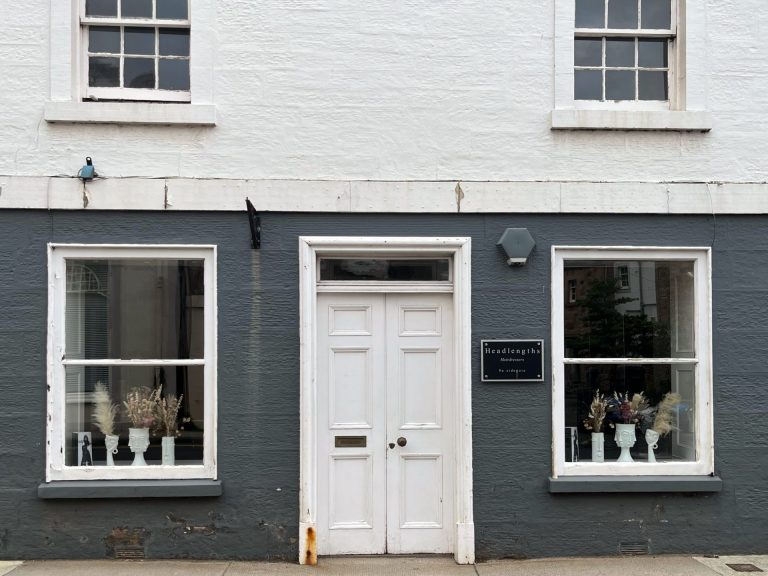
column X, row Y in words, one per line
column 402, row 441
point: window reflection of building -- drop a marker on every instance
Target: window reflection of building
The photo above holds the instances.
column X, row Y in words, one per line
column 135, row 310
column 624, row 310
column 641, row 284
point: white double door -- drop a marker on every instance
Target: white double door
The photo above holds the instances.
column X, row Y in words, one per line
column 385, row 411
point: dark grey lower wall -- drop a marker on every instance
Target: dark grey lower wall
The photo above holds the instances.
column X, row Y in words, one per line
column 258, row 379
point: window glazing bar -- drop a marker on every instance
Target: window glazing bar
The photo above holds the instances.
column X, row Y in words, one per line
column 142, row 362
column 630, row 360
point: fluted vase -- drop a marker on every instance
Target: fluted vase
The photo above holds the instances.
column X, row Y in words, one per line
column 598, row 447
column 169, row 448
column 138, row 442
column 625, row 439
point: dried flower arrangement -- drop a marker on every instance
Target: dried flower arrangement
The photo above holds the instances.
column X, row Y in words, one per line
column 665, row 412
column 629, row 408
column 597, row 412
column 167, row 411
column 140, row 406
column 104, row 411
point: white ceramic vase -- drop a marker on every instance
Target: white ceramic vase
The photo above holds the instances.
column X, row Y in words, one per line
column 138, row 442
column 110, row 442
column 169, row 447
column 625, row 439
column 598, row 447
column 652, row 438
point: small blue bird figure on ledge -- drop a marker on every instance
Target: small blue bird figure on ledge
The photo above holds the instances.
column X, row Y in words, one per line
column 87, row 172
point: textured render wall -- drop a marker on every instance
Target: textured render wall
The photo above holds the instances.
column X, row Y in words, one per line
column 258, row 373
column 258, row 390
column 341, row 89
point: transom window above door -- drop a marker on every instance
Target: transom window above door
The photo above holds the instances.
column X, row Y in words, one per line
column 622, row 50
column 385, row 269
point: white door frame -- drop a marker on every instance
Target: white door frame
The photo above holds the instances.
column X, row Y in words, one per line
column 459, row 249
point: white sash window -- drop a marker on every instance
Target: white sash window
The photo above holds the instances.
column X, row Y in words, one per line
column 122, row 320
column 628, row 322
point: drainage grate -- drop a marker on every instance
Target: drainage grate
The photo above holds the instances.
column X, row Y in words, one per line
column 129, row 552
column 634, row 548
column 744, row 568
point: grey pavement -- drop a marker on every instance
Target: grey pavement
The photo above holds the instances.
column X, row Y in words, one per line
column 396, row 566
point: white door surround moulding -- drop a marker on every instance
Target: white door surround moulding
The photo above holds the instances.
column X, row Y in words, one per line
column 364, row 197
column 459, row 249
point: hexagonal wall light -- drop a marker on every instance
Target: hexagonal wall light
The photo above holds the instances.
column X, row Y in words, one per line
column 518, row 244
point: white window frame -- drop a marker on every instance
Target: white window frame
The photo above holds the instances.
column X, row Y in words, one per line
column 687, row 105
column 702, row 362
column 622, row 276
column 117, row 93
column 69, row 101
column 673, row 79
column 56, row 469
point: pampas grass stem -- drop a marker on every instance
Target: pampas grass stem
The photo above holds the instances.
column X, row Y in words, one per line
column 104, row 411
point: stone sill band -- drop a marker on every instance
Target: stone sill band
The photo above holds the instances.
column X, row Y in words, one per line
column 625, row 484
column 131, row 113
column 129, row 489
column 670, row 120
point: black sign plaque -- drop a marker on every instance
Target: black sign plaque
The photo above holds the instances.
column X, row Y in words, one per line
column 512, row 360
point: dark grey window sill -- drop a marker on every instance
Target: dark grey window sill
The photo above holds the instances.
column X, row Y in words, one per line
column 581, row 484
column 130, row 489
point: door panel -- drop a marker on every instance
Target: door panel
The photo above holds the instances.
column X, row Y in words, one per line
column 384, row 373
column 351, row 480
column 421, row 480
column 420, row 392
column 419, row 320
column 350, row 320
column 420, row 388
column 351, row 382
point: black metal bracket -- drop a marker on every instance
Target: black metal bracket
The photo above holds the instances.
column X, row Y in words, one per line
column 255, row 222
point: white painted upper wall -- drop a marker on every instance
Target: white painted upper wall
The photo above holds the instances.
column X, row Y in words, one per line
column 397, row 90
